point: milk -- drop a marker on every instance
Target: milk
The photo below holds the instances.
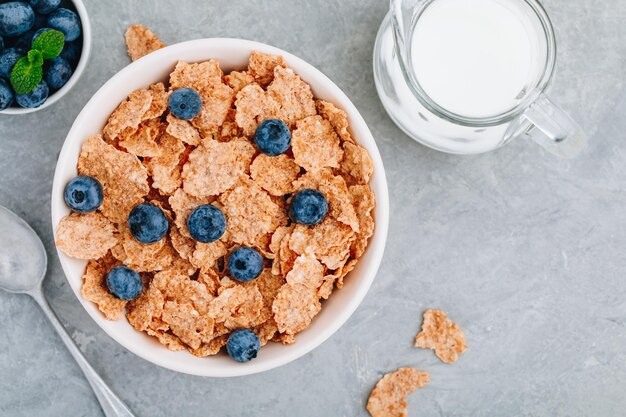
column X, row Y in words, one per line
column 474, row 58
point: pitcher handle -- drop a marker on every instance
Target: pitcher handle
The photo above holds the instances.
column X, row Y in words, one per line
column 554, row 129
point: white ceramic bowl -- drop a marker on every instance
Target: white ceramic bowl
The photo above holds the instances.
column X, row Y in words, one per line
column 232, row 54
column 80, row 68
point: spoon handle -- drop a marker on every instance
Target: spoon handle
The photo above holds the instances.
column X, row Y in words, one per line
column 111, row 405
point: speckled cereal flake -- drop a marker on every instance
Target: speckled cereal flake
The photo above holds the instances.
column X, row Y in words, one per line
column 294, row 96
column 197, row 76
column 307, row 271
column 188, row 324
column 357, row 163
column 85, row 236
column 239, row 79
column 143, row 141
column 211, row 348
column 140, row 312
column 217, row 100
column 250, row 213
column 315, row 144
column 266, row 331
column 167, row 339
column 215, row 167
column 205, row 255
column 160, row 98
column 268, row 285
column 183, row 130
column 275, row 174
column 253, row 106
column 294, row 308
column 124, row 179
column 337, row 118
column 388, row 398
column 184, row 246
column 140, row 41
column 328, row 240
column 128, row 114
column 94, row 289
column 181, row 289
column 140, row 256
column 182, row 205
column 364, row 202
column 442, row 335
column 261, row 67
column 165, row 168
column 237, row 307
column 283, row 256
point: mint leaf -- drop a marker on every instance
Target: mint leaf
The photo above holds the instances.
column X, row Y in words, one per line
column 50, row 43
column 25, row 76
column 35, row 57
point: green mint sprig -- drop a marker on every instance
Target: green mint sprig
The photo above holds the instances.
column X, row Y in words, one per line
column 28, row 70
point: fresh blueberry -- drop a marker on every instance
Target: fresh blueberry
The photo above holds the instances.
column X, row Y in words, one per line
column 272, row 137
column 39, row 32
column 1, row 44
column 243, row 345
column 124, row 283
column 206, row 223
column 308, row 207
column 56, row 72
column 185, row 103
column 147, row 223
column 44, row 6
column 6, row 95
column 35, row 98
column 66, row 21
column 8, row 58
column 16, row 17
column 83, row 194
column 24, row 41
column 71, row 52
column 40, row 20
column 245, row 264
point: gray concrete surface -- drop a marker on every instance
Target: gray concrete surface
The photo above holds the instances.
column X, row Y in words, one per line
column 524, row 251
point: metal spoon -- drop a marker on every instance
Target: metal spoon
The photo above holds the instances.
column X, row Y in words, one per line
column 23, row 263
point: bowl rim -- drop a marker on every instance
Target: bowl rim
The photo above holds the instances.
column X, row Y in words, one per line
column 376, row 244
column 78, row 72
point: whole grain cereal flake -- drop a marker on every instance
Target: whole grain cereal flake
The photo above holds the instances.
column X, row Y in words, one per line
column 85, row 236
column 388, row 398
column 294, row 308
column 337, row 118
column 198, row 76
column 315, row 144
column 275, row 174
column 140, row 41
column 442, row 335
column 254, row 105
column 239, row 79
column 128, row 115
column 165, row 168
column 143, row 141
column 261, row 67
column 294, row 96
column 183, row 130
column 94, row 289
column 357, row 163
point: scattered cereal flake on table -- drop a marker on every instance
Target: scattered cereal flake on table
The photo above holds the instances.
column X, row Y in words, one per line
column 237, row 307
column 165, row 168
column 211, row 348
column 142, row 142
column 239, row 79
column 253, row 106
column 250, row 213
column 307, row 271
column 337, row 118
column 188, row 324
column 128, row 114
column 183, row 130
column 217, row 99
column 357, row 163
column 388, row 398
column 294, row 308
column 140, row 256
column 261, row 67
column 364, row 202
column 329, row 241
column 160, row 98
column 182, row 205
column 94, row 289
column 442, row 335
column 315, row 144
column 140, row 41
column 206, row 254
column 124, row 179
column 215, row 167
column 294, row 96
column 197, row 76
column 275, row 174
column 85, row 236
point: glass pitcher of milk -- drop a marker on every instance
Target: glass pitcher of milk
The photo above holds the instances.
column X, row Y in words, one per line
column 468, row 76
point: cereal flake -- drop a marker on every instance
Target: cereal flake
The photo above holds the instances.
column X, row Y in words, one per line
column 315, row 144
column 442, row 335
column 337, row 118
column 261, row 67
column 94, row 289
column 275, row 174
column 128, row 114
column 140, row 41
column 388, row 398
column 85, row 236
column 294, row 96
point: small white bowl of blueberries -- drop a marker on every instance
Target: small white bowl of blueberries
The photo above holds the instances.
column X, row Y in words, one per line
column 44, row 48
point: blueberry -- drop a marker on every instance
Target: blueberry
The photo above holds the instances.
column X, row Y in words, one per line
column 71, row 52
column 35, row 98
column 8, row 58
column 1, row 44
column 243, row 345
column 308, row 207
column 40, row 20
column 44, row 6
column 16, row 17
column 83, row 194
column 147, row 223
column 206, row 223
column 245, row 264
column 124, row 283
column 39, row 32
column 185, row 103
column 6, row 95
column 24, row 41
column 66, row 21
column 56, row 72
column 272, row 137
